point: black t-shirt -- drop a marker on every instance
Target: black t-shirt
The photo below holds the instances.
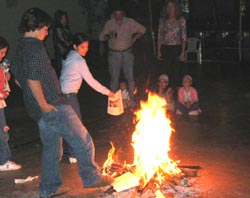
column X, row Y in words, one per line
column 31, row 62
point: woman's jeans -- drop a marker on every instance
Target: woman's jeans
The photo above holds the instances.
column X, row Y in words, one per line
column 67, row 149
column 52, row 127
column 5, row 153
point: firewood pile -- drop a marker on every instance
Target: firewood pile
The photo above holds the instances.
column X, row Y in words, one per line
column 126, row 185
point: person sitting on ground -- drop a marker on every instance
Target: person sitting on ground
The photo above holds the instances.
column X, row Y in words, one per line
column 188, row 102
column 165, row 91
column 74, row 70
column 5, row 153
column 127, row 102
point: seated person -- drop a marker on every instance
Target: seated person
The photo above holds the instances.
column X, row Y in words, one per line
column 188, row 102
column 165, row 91
column 127, row 102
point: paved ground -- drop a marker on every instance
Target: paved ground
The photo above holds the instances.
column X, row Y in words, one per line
column 219, row 142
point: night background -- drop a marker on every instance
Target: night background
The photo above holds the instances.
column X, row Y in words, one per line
column 219, row 141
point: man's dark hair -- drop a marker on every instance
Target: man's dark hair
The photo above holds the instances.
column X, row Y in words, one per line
column 3, row 43
column 79, row 38
column 33, row 19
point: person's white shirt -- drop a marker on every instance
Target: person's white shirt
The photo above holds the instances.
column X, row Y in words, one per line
column 74, row 70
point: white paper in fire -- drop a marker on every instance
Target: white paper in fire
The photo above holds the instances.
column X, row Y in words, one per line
column 125, row 181
column 115, row 105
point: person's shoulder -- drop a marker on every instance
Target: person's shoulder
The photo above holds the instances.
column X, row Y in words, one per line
column 130, row 20
column 110, row 21
column 74, row 56
column 193, row 89
column 31, row 46
column 182, row 19
column 180, row 89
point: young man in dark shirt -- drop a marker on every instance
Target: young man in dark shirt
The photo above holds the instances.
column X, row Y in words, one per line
column 46, row 104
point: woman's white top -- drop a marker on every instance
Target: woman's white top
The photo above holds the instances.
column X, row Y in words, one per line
column 74, row 69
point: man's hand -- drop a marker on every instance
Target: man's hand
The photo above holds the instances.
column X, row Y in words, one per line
column 47, row 108
column 159, row 57
column 136, row 37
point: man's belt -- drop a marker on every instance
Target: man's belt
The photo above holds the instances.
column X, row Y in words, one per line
column 113, row 50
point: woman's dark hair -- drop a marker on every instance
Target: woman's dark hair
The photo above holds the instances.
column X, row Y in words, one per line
column 3, row 43
column 58, row 16
column 79, row 38
column 33, row 19
column 178, row 11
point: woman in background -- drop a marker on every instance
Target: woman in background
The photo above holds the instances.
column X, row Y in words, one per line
column 62, row 38
column 172, row 40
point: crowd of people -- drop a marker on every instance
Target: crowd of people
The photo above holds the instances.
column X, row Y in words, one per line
column 50, row 93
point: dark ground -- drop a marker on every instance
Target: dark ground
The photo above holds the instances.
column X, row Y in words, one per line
column 219, row 142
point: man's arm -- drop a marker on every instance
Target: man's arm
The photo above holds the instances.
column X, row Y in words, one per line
column 138, row 29
column 37, row 91
column 105, row 32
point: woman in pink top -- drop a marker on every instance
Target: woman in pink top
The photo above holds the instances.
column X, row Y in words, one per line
column 172, row 40
column 188, row 102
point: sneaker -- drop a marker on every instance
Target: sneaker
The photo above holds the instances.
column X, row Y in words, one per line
column 9, row 166
column 178, row 112
column 193, row 113
column 72, row 160
column 60, row 191
column 102, row 181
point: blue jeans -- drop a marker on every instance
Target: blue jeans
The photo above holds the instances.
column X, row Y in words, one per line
column 52, row 127
column 5, row 153
column 124, row 60
column 67, row 149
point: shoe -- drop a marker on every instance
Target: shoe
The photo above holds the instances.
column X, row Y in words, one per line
column 193, row 113
column 72, row 160
column 60, row 191
column 178, row 112
column 102, row 181
column 9, row 166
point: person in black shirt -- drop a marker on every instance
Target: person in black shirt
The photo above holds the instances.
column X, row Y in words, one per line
column 46, row 104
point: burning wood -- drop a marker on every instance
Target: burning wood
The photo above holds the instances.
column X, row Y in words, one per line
column 152, row 167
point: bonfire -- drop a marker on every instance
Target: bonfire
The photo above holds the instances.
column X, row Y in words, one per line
column 152, row 165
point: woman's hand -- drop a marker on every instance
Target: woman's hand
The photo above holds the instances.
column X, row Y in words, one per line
column 111, row 94
column 182, row 57
column 8, row 76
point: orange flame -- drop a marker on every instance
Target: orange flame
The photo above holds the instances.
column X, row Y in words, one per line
column 110, row 159
column 151, row 142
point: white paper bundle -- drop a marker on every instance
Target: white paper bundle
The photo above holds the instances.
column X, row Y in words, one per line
column 115, row 105
column 125, row 181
